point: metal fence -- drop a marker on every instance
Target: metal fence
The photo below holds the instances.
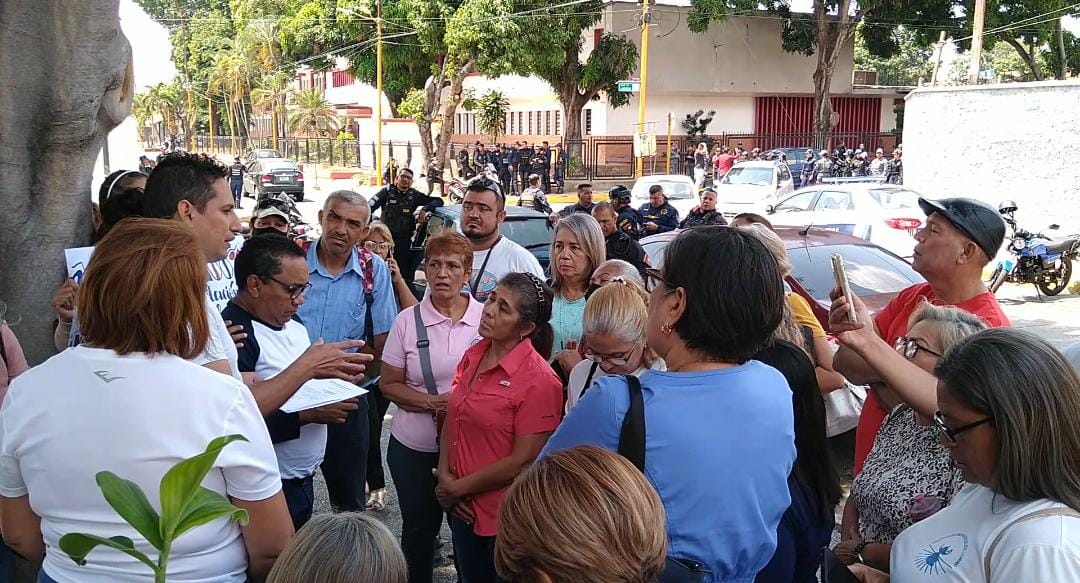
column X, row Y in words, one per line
column 591, row 158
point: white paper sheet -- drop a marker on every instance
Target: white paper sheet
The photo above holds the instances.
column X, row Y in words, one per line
column 319, row 392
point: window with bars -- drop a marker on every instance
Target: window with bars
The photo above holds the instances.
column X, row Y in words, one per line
column 547, row 123
column 521, row 126
column 530, row 124
column 558, row 125
column 588, row 122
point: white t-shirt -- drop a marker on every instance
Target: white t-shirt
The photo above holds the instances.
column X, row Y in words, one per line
column 580, row 373
column 950, row 546
column 86, row 410
column 297, row 458
column 221, row 345
column 506, row 257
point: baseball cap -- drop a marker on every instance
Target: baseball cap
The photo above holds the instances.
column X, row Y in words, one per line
column 976, row 220
column 271, row 210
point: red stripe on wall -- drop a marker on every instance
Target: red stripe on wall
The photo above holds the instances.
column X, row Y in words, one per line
column 795, row 115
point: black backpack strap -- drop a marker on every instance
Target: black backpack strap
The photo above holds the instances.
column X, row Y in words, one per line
column 632, row 435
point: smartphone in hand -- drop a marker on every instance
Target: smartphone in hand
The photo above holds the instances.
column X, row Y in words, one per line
column 845, row 287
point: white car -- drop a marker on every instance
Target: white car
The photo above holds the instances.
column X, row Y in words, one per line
column 679, row 189
column 887, row 215
column 750, row 187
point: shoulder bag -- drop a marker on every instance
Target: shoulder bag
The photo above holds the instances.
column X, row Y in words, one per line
column 632, row 447
column 423, row 345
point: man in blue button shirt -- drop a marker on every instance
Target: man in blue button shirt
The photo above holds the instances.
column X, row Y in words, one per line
column 351, row 297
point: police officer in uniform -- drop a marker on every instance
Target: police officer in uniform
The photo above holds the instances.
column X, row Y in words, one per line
column 657, row 215
column 236, row 180
column 401, row 201
column 627, row 219
column 617, row 244
column 525, row 154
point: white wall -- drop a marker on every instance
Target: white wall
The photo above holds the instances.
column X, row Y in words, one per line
column 734, row 113
column 1015, row 141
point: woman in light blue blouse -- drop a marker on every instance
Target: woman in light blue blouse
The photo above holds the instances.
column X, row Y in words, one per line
column 576, row 251
column 719, row 427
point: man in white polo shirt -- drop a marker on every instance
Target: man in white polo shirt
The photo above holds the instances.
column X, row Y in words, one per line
column 272, row 276
column 482, row 214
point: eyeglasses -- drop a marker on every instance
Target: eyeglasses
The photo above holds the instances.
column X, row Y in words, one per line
column 377, row 245
column 295, row 290
column 949, row 435
column 909, row 347
column 613, row 359
column 653, row 279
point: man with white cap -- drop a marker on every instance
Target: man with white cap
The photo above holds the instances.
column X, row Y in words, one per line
column 960, row 237
column 270, row 217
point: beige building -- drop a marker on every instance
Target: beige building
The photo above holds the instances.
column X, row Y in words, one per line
column 737, row 68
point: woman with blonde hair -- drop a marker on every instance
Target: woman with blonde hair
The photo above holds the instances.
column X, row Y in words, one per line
column 576, row 251
column 381, row 242
column 798, row 316
column 613, row 337
column 142, row 313
column 341, row 548
column 582, row 515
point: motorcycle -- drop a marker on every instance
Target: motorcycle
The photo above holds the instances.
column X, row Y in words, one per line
column 299, row 230
column 1035, row 258
column 456, row 188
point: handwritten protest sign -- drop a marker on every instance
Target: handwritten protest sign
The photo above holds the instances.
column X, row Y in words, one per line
column 220, row 278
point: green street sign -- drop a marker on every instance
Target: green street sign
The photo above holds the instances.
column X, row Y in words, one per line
column 629, row 86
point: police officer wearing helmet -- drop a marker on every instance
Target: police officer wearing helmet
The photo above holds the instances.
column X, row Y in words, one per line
column 627, row 219
column 399, row 202
column 657, row 215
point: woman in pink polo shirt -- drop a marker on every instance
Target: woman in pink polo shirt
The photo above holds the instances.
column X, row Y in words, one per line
column 505, row 403
column 451, row 321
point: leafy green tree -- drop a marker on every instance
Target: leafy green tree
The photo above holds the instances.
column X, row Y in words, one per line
column 311, row 113
column 909, row 64
column 554, row 44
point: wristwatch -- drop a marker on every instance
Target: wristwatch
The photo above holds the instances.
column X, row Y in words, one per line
column 857, row 551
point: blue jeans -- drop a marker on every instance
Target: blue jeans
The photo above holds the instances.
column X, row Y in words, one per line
column 300, row 498
column 237, row 188
column 345, row 464
column 474, row 554
column 42, row 577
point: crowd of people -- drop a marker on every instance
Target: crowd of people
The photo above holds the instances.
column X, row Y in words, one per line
column 513, row 164
column 618, row 419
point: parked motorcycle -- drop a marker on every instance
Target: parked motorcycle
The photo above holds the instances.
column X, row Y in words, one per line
column 1035, row 258
column 456, row 188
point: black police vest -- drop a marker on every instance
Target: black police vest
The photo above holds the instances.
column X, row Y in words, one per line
column 236, row 172
column 398, row 212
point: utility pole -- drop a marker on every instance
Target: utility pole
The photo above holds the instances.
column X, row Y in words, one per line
column 646, row 18
column 977, row 43
column 378, row 94
column 937, row 61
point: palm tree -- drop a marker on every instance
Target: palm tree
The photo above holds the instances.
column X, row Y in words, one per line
column 312, row 113
column 269, row 95
column 491, row 109
column 164, row 100
column 143, row 112
column 230, row 78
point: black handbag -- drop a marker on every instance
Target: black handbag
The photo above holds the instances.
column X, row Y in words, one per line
column 632, row 447
column 833, row 570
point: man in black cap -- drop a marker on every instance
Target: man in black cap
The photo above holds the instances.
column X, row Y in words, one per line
column 960, row 237
column 627, row 219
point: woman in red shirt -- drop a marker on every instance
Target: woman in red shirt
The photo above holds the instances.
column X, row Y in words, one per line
column 505, row 403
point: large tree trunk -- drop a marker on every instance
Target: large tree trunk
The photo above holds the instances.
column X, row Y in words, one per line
column 446, row 135
column 1059, row 51
column 830, row 37
column 56, row 110
column 573, row 106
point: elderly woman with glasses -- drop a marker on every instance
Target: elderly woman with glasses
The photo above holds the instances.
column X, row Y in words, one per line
column 720, row 439
column 613, row 341
column 381, row 242
column 1009, row 415
column 908, row 473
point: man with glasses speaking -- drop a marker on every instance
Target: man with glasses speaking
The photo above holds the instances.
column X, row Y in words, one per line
column 482, row 212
